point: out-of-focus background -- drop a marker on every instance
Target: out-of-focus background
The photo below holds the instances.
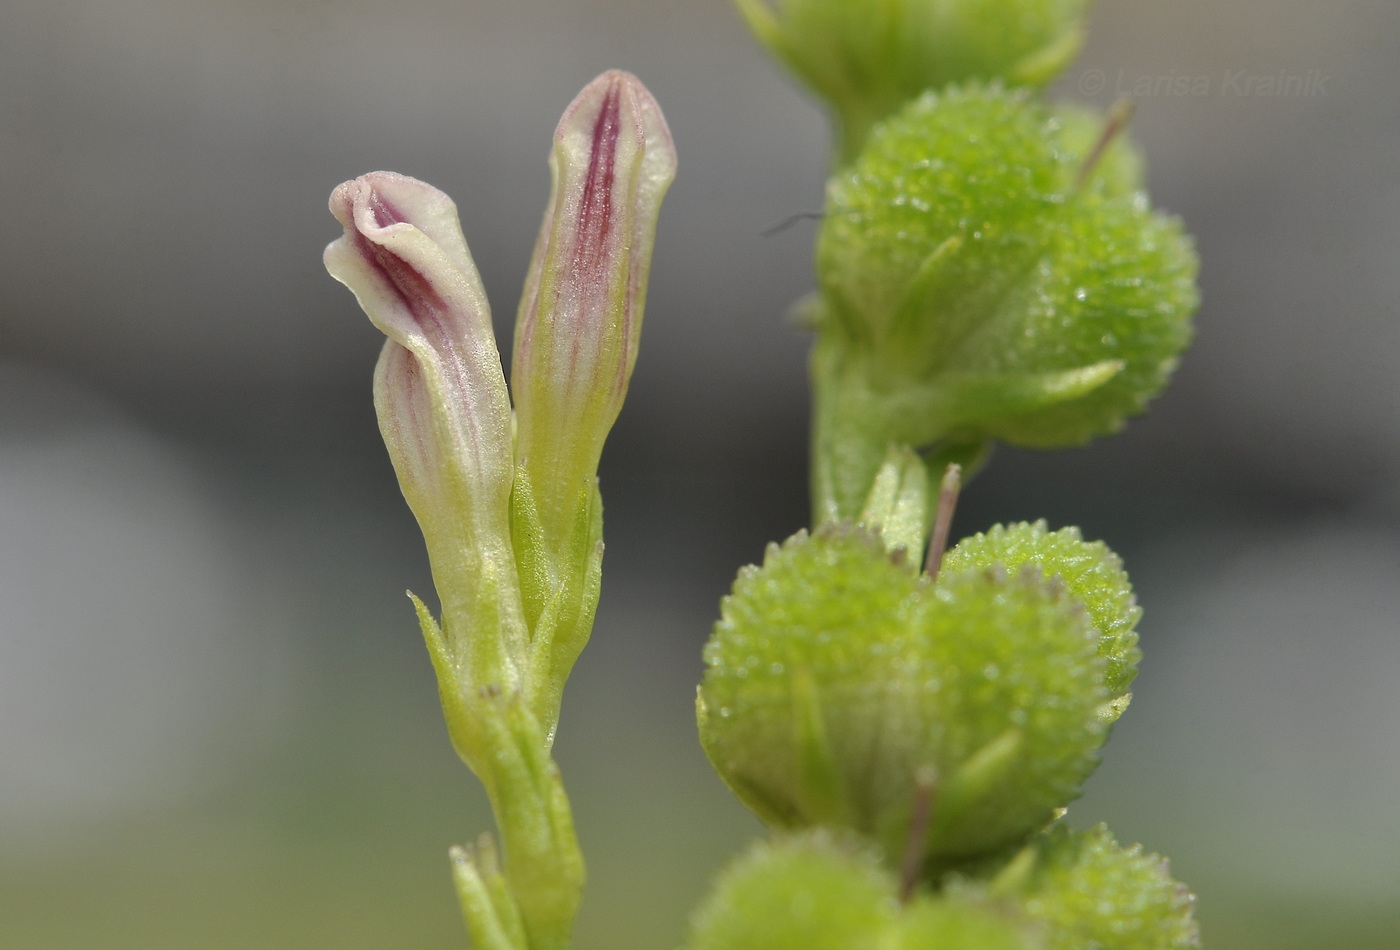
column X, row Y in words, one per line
column 218, row 728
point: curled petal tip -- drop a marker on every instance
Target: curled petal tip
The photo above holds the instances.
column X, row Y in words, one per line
column 439, row 390
column 404, row 257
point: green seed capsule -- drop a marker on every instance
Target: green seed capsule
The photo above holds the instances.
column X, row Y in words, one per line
column 1094, row 576
column 811, row 892
column 990, row 270
column 1087, row 890
column 818, row 892
column 843, row 690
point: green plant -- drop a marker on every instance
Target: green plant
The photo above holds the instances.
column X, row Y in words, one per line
column 508, row 501
column 909, row 720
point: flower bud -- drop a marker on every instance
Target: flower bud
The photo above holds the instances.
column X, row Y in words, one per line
column 581, row 313
column 439, row 392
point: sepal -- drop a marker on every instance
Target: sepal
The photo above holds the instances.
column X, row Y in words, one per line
column 560, row 585
column 897, row 505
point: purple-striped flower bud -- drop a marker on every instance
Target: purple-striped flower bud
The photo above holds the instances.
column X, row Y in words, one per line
column 581, row 312
column 438, row 389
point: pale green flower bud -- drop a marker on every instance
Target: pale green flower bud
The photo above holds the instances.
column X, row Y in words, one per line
column 581, row 313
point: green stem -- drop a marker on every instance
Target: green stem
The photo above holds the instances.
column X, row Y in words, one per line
column 858, row 416
column 541, row 882
column 849, row 437
column 528, row 900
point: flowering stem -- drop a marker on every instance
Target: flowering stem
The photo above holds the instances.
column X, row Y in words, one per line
column 507, row 495
column 544, row 867
column 532, row 900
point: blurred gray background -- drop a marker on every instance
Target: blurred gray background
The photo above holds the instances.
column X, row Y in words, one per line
column 217, row 724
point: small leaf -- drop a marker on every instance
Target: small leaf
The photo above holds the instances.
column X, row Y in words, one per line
column 898, row 505
column 492, row 916
column 984, row 398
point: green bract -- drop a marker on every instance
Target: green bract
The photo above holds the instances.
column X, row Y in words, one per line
column 980, row 282
column 1093, row 574
column 1089, row 891
column 813, row 892
column 866, row 58
column 838, row 680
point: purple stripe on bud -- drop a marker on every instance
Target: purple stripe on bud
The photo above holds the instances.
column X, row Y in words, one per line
column 439, row 390
column 581, row 313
